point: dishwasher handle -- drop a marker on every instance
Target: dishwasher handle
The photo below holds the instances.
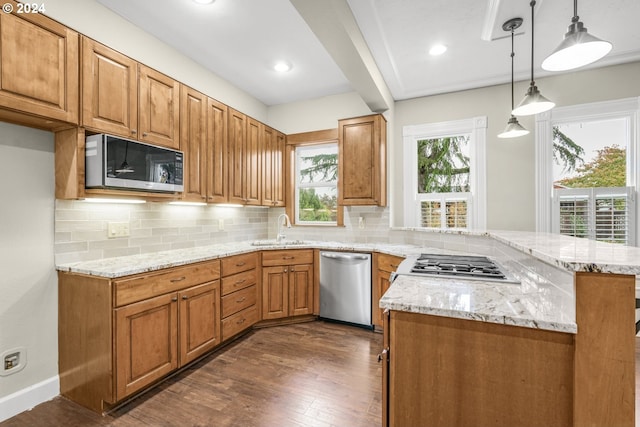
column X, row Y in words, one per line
column 344, row 256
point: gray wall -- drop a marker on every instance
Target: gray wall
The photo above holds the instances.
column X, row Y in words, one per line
column 28, row 283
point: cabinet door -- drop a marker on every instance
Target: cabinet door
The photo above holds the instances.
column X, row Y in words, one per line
column 237, row 134
column 217, row 153
column 253, row 163
column 199, row 320
column 273, row 143
column 146, row 343
column 275, row 292
column 362, row 161
column 159, row 109
column 193, row 140
column 109, row 90
column 300, row 290
column 38, row 66
column 380, row 287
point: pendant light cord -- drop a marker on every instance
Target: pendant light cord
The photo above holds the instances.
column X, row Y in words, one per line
column 532, row 4
column 512, row 55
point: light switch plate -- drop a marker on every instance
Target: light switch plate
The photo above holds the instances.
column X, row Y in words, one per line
column 117, row 229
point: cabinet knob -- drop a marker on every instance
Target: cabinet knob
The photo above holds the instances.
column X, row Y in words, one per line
column 185, row 297
column 174, row 299
column 144, row 134
column 285, row 270
column 133, row 131
column 292, row 269
column 383, row 355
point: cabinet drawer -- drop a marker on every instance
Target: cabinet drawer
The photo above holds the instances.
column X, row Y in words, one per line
column 149, row 285
column 388, row 262
column 239, row 281
column 290, row 257
column 239, row 300
column 238, row 263
column 239, row 322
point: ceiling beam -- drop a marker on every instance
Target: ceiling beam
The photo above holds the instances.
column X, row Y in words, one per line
column 335, row 27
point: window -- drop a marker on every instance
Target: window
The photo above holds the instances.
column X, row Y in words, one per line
column 316, row 192
column 445, row 185
column 590, row 175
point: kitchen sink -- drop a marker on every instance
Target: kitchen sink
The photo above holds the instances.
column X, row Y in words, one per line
column 273, row 242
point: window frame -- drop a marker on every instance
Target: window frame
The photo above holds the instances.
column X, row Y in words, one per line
column 300, row 140
column 628, row 108
column 476, row 127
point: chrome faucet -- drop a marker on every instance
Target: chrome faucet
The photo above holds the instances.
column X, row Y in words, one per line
column 280, row 236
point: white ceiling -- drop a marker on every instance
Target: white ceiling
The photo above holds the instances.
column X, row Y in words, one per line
column 240, row 40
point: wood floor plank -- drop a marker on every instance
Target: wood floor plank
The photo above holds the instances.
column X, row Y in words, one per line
column 311, row 374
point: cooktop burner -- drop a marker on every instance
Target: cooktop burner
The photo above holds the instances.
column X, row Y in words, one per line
column 462, row 266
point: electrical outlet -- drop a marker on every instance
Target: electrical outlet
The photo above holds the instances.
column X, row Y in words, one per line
column 361, row 222
column 13, row 361
column 117, row 229
column 221, row 224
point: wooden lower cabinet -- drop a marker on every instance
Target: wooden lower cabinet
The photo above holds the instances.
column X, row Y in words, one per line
column 160, row 334
column 146, row 343
column 455, row 372
column 383, row 266
column 118, row 336
column 240, row 294
column 287, row 290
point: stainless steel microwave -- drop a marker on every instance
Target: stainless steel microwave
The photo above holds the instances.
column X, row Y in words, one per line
column 115, row 162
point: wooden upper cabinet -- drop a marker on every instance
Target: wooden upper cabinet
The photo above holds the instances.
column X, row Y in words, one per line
column 109, row 90
column 217, row 153
column 38, row 68
column 158, row 108
column 273, row 143
column 237, row 131
column 193, row 141
column 253, row 163
column 362, row 161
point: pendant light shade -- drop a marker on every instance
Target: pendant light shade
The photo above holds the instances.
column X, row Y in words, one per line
column 513, row 129
column 533, row 102
column 579, row 48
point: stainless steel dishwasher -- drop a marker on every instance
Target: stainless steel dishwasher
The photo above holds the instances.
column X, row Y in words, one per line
column 345, row 287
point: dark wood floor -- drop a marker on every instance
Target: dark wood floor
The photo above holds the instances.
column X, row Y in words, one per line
column 309, row 374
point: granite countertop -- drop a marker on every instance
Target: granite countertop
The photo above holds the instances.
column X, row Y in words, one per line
column 134, row 264
column 536, row 302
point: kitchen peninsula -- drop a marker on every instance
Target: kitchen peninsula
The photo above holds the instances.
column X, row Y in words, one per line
column 558, row 349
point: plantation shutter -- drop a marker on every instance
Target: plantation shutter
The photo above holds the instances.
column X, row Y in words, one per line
column 444, row 210
column 605, row 214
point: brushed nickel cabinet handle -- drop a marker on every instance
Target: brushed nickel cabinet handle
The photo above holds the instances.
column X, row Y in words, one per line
column 240, row 264
column 288, row 257
column 178, row 279
column 241, row 299
column 239, row 282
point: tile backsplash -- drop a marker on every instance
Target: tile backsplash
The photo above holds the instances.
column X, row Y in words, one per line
column 81, row 228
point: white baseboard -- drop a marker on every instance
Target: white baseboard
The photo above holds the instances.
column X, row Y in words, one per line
column 29, row 397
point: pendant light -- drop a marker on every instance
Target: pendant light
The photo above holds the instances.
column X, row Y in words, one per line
column 533, row 102
column 513, row 129
column 578, row 48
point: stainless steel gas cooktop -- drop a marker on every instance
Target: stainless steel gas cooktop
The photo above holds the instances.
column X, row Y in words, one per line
column 458, row 266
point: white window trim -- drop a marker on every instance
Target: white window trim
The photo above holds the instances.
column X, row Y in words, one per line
column 298, row 185
column 622, row 108
column 477, row 127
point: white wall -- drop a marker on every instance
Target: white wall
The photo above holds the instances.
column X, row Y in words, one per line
column 28, row 283
column 510, row 162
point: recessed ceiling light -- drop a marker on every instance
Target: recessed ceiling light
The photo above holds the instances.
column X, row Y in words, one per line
column 203, row 1
column 282, row 66
column 437, row 49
